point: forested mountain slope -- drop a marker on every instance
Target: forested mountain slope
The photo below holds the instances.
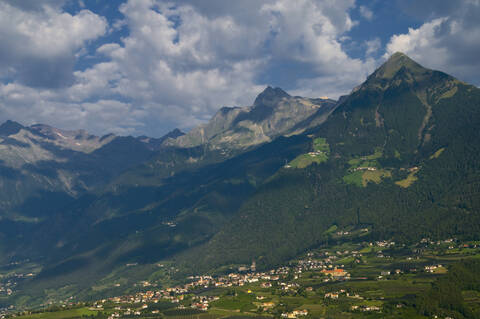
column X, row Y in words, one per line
column 402, row 160
column 397, row 157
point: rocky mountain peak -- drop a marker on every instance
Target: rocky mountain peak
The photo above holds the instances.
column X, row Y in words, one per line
column 396, row 62
column 270, row 96
column 175, row 133
column 10, row 128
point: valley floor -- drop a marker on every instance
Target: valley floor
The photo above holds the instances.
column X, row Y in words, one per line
column 350, row 280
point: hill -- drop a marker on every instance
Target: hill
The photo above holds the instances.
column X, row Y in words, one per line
column 144, row 199
column 397, row 162
column 389, row 159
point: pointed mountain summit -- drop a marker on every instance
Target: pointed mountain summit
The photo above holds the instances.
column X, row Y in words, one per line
column 273, row 113
column 399, row 69
column 174, row 133
column 394, row 109
column 10, row 128
column 156, row 143
column 271, row 96
column 396, row 62
column 399, row 156
column 404, row 152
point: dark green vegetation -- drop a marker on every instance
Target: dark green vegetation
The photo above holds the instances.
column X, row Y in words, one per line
column 398, row 156
column 457, row 294
column 381, row 280
column 393, row 123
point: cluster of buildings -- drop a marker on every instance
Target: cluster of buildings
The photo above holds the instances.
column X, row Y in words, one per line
column 178, row 293
column 8, row 283
column 432, row 268
column 233, row 279
column 383, row 243
column 203, row 302
column 365, row 308
column 336, row 294
column 365, row 168
column 327, row 264
column 139, row 302
column 316, row 153
column 295, row 314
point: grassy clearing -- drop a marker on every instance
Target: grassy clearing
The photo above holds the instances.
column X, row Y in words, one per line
column 321, row 151
column 331, row 229
column 320, row 145
column 355, row 178
column 375, row 176
column 65, row 314
column 366, row 161
column 449, row 93
column 362, row 178
column 305, row 160
column 437, row 153
column 411, row 178
column 242, row 302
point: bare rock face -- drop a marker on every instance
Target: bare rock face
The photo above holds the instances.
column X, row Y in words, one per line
column 274, row 113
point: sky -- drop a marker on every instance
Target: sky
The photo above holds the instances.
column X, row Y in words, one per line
column 145, row 67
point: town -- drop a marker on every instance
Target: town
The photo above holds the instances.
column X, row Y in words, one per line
column 357, row 278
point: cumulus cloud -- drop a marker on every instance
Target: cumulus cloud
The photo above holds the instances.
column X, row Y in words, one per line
column 448, row 43
column 39, row 46
column 178, row 63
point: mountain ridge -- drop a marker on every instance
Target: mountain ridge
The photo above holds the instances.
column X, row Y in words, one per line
column 362, row 163
column 273, row 113
column 384, row 140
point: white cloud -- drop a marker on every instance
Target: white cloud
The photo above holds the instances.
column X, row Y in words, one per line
column 448, row 43
column 39, row 46
column 183, row 60
column 419, row 42
column 366, row 12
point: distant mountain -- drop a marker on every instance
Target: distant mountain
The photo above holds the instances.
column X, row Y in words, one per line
column 274, row 113
column 42, row 168
column 10, row 128
column 398, row 157
column 156, row 143
column 79, row 140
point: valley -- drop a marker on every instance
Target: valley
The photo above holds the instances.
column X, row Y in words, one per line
column 332, row 196
column 254, row 159
column 352, row 278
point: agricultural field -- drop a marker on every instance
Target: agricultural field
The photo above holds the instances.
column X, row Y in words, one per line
column 366, row 161
column 320, row 153
column 409, row 180
column 349, row 279
column 62, row 314
column 366, row 169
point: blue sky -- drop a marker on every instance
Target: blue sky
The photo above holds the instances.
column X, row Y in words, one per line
column 144, row 67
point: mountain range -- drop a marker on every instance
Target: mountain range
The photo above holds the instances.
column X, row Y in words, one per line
column 397, row 156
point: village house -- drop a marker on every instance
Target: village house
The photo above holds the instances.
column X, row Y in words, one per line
column 267, row 305
column 336, row 272
column 331, row 295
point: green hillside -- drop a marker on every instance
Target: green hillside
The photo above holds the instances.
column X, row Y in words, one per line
column 385, row 170
column 389, row 158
